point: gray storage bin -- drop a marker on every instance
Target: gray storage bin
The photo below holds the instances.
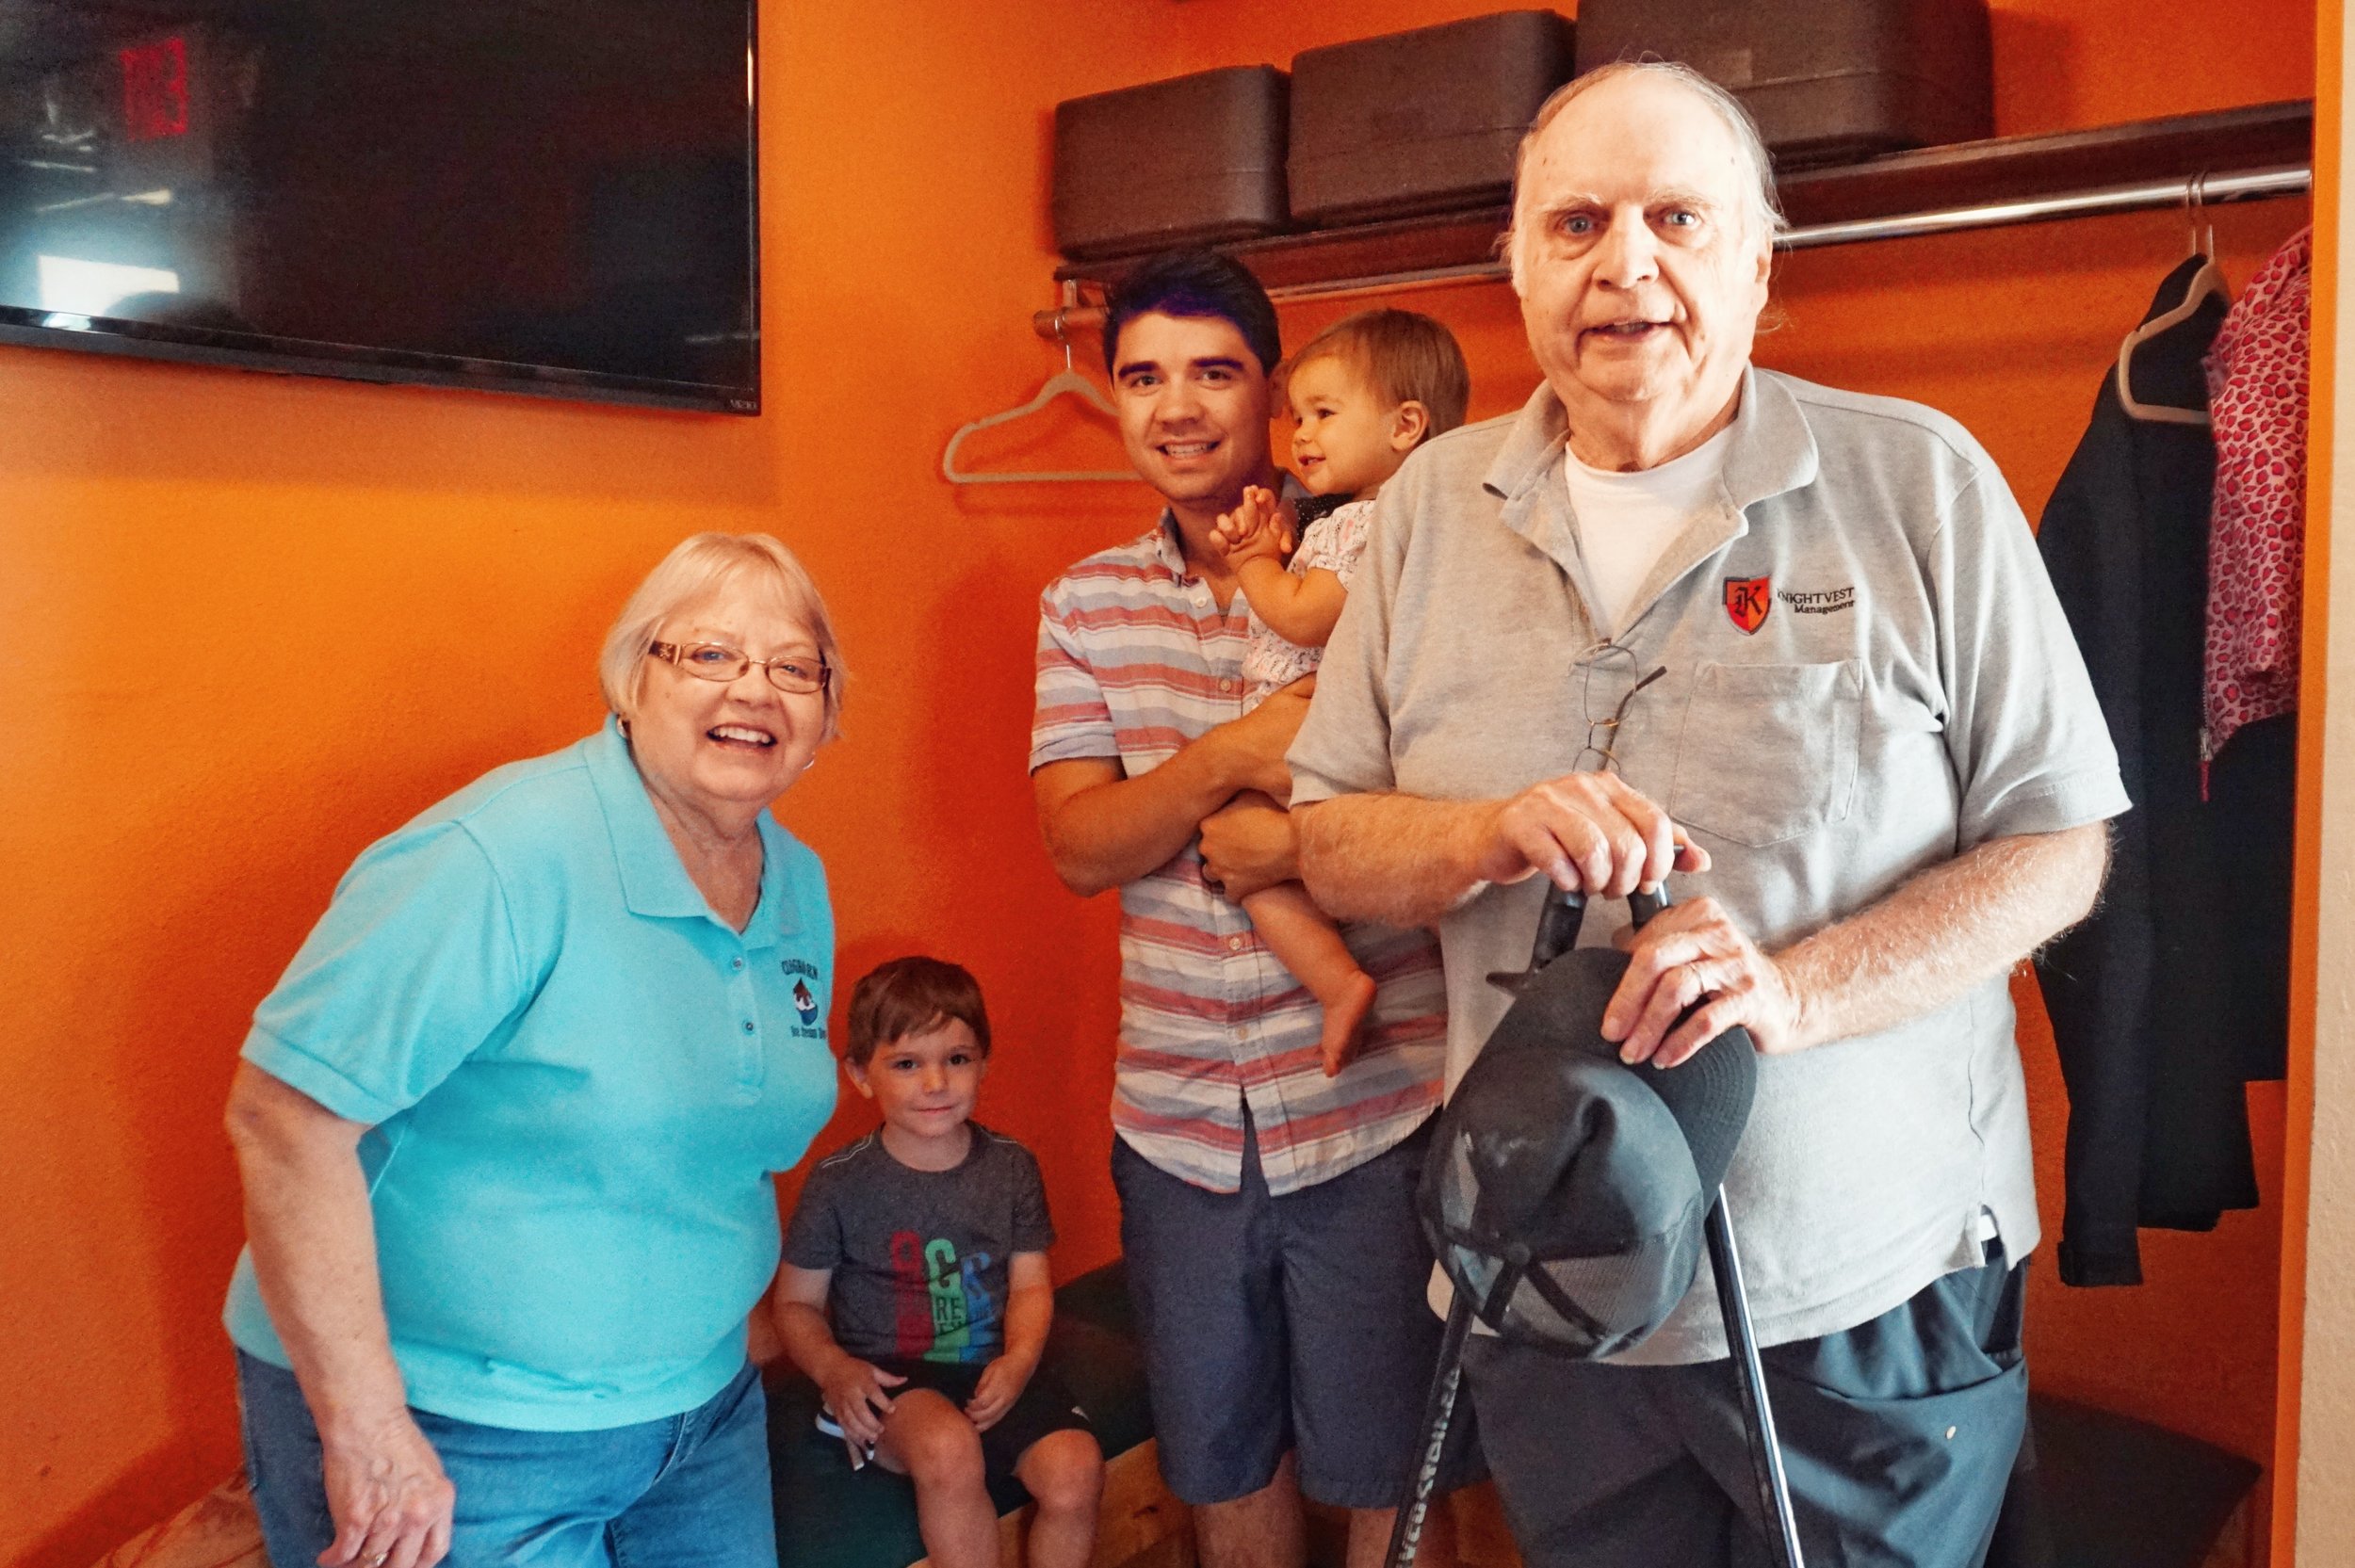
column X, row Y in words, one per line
column 1419, row 121
column 1190, row 161
column 1830, row 81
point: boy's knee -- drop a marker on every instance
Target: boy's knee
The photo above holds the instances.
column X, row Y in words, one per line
column 1064, row 1472
column 943, row 1449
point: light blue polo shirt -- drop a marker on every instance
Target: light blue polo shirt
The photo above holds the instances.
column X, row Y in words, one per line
column 577, row 1081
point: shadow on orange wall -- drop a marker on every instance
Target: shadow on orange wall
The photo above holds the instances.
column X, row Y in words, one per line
column 322, row 606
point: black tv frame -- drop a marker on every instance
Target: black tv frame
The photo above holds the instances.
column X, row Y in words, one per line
column 38, row 329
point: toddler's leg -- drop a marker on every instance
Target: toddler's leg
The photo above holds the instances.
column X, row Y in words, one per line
column 1064, row 1473
column 929, row 1440
column 1310, row 945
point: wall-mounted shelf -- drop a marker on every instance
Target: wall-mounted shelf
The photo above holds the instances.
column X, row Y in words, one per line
column 2236, row 154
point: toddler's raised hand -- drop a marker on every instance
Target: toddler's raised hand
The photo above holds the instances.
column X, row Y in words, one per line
column 1253, row 530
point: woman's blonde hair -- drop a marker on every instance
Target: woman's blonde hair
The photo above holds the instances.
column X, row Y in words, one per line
column 699, row 567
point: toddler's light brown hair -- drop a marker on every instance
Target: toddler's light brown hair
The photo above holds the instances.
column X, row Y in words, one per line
column 1405, row 356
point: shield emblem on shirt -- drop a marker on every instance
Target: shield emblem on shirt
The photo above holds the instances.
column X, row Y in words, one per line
column 1747, row 600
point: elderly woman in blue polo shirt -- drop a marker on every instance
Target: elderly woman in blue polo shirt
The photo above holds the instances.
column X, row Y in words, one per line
column 507, row 1124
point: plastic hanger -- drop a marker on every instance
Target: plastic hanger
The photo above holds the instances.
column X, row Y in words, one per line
column 2205, row 283
column 1066, row 382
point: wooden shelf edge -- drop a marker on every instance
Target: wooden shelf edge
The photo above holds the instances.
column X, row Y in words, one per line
column 2004, row 168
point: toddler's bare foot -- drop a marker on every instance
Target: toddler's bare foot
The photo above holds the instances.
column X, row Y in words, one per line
column 1344, row 1015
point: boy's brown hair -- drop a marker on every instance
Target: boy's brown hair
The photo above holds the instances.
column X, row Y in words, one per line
column 1405, row 356
column 909, row 996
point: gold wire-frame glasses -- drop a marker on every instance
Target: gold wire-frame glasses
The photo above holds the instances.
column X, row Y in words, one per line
column 1607, row 655
column 797, row 675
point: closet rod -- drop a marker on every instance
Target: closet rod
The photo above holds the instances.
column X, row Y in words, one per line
column 2254, row 185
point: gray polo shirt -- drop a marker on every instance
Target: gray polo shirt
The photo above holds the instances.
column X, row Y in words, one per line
column 1866, row 674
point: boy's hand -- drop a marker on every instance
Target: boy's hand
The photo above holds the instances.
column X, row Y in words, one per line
column 1002, row 1382
column 854, row 1392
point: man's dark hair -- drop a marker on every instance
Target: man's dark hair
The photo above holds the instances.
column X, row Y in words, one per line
column 1195, row 282
column 910, row 996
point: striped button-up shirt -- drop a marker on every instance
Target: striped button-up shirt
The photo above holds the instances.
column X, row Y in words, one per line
column 1136, row 659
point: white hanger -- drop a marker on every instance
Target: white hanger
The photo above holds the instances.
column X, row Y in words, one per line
column 2205, row 283
column 1068, row 382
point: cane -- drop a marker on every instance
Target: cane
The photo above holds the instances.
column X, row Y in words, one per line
column 1438, row 1411
column 1758, row 1413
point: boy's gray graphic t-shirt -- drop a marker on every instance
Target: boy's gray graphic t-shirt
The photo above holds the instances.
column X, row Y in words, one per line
column 919, row 1257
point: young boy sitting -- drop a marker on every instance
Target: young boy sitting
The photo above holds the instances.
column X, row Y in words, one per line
column 915, row 1290
column 1365, row 392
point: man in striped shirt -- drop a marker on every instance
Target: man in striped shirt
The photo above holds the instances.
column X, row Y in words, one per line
column 1266, row 1210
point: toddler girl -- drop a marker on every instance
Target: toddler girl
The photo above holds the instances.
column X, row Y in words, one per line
column 1364, row 392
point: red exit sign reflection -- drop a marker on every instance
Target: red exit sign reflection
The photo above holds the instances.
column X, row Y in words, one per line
column 156, row 91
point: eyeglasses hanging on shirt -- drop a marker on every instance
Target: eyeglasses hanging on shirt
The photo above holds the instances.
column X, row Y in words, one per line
column 1615, row 666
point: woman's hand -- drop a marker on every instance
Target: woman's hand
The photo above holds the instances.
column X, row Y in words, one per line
column 314, row 1239
column 854, row 1391
column 391, row 1503
column 1002, row 1382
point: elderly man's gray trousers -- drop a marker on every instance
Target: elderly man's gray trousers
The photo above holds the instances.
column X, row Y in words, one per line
column 1899, row 1435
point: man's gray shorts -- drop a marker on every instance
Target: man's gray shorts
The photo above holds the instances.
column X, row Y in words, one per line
column 1294, row 1322
column 1899, row 1434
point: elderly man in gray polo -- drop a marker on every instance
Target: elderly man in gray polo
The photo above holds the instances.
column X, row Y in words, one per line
column 1679, row 614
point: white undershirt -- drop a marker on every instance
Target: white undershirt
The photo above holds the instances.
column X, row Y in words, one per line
column 1626, row 521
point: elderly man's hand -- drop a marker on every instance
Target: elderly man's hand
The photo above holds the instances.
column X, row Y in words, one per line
column 1585, row 831
column 1249, row 845
column 1688, row 952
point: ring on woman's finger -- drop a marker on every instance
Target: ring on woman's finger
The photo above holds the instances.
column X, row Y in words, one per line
column 378, row 1561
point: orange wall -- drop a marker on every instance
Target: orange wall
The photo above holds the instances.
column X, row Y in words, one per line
column 248, row 623
column 296, row 584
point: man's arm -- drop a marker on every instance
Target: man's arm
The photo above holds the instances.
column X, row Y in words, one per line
column 1404, row 860
column 1103, row 829
column 1943, row 931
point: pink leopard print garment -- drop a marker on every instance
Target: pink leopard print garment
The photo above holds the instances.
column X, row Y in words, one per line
column 2257, row 539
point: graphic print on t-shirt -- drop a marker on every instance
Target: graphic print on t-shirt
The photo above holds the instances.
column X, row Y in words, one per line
column 942, row 1311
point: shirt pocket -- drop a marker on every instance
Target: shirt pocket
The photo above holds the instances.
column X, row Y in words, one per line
column 1769, row 751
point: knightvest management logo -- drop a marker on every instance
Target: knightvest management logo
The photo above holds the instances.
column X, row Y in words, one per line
column 1747, row 600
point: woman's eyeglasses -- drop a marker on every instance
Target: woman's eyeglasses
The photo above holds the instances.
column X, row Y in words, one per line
column 797, row 675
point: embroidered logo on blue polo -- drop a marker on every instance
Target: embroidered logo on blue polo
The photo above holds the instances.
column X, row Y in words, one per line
column 807, row 1006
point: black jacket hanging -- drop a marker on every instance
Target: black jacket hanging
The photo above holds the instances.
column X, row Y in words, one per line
column 2141, row 993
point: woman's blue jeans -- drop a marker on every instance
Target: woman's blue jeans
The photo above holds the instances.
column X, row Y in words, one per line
column 686, row 1490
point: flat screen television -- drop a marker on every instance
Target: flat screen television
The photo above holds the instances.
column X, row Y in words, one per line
column 555, row 197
